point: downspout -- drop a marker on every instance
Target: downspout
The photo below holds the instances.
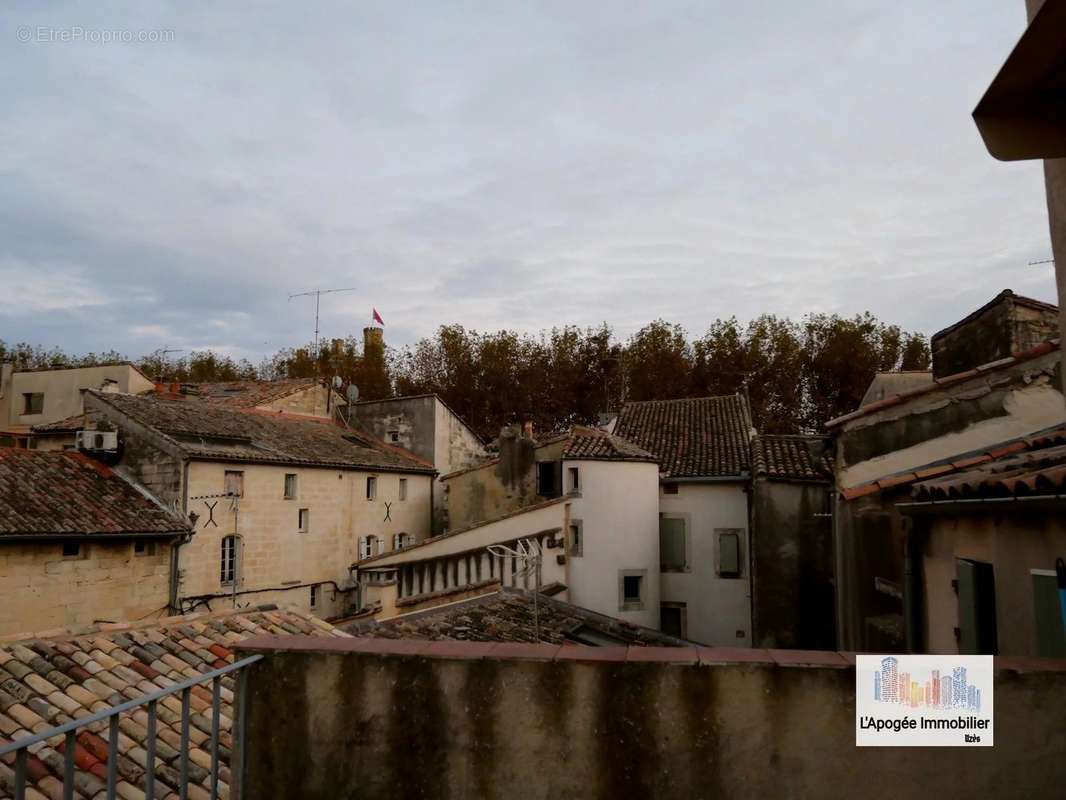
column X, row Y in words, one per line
column 913, row 544
column 175, row 550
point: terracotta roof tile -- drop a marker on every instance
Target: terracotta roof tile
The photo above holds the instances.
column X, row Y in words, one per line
column 1013, row 474
column 201, row 636
column 62, row 493
column 791, row 457
column 205, row 430
column 692, row 438
column 593, row 444
column 246, row 394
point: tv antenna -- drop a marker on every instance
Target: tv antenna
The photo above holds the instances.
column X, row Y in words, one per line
column 317, row 294
column 1045, row 261
column 527, row 553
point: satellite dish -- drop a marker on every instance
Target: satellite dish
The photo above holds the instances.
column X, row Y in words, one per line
column 353, row 393
column 337, row 382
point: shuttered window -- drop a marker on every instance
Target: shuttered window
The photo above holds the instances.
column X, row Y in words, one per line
column 672, row 546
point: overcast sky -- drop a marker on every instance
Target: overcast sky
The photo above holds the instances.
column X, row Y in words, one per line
column 500, row 165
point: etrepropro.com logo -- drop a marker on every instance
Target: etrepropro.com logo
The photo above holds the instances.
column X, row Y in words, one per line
column 923, row 701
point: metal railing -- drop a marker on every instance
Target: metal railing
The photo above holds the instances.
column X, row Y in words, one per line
column 70, row 730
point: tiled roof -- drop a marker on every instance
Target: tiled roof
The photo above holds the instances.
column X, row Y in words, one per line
column 506, row 615
column 246, row 394
column 1023, row 474
column 208, row 431
column 789, row 457
column 596, row 445
column 46, row 682
column 68, row 425
column 63, row 493
column 693, row 438
column 1036, row 441
column 948, row 380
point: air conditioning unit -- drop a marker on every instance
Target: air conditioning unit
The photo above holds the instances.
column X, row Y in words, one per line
column 97, row 441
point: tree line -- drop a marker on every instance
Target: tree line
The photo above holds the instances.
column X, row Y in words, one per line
column 796, row 374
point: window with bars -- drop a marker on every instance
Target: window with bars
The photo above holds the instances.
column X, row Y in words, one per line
column 228, row 571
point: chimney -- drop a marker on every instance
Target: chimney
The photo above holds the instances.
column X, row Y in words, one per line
column 338, row 346
column 527, row 428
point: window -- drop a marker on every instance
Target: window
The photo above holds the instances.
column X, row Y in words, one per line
column 74, row 550
column 631, row 589
column 235, row 482
column 228, row 571
column 303, row 520
column 290, row 486
column 394, row 436
column 314, row 597
column 548, row 473
column 977, row 607
column 729, row 557
column 403, row 488
column 401, row 540
column 143, row 548
column 577, row 538
column 33, row 403
column 368, row 546
column 371, row 488
column 575, row 479
column 673, row 619
column 670, row 488
column 673, row 544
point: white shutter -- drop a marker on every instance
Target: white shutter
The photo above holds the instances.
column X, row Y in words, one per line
column 363, row 542
column 397, row 542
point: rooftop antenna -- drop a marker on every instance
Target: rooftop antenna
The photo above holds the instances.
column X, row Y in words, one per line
column 165, row 352
column 527, row 552
column 317, row 294
column 353, row 397
column 1045, row 261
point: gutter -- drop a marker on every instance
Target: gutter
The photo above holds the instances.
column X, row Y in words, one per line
column 90, row 537
column 998, row 503
column 744, row 476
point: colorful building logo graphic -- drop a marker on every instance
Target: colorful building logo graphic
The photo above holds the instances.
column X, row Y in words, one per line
column 937, row 690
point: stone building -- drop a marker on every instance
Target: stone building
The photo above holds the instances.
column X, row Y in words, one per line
column 703, row 446
column 78, row 544
column 884, row 447
column 983, row 544
column 793, row 601
column 282, row 502
column 427, row 427
column 590, row 501
column 49, row 401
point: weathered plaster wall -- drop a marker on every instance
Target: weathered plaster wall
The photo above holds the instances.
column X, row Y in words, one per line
column 717, row 607
column 42, row 590
column 792, row 585
column 275, row 553
column 536, row 721
column 507, row 484
column 1014, row 544
column 618, row 507
column 62, row 389
column 315, row 401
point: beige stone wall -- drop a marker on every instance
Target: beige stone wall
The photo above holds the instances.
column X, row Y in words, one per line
column 276, row 555
column 314, row 401
column 41, row 590
column 1015, row 544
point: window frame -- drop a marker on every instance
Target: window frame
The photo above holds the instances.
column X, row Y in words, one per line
column 294, row 494
column 686, row 541
column 576, row 542
column 639, row 604
column 238, row 475
column 303, row 520
column 682, row 609
column 81, row 550
column 230, row 576
column 371, row 487
column 315, row 596
column 573, row 477
column 28, row 404
column 401, row 491
column 719, row 533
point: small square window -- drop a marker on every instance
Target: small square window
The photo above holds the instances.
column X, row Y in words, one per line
column 577, row 538
column 670, row 488
column 303, row 519
column 143, row 548
column 631, row 588
column 235, row 482
column 314, row 597
column 33, row 403
column 403, row 488
column 371, row 488
column 73, row 550
column 394, row 436
column 290, row 486
column 672, row 619
column 575, row 478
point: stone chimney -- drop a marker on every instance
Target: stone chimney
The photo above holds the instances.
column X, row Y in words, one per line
column 1005, row 325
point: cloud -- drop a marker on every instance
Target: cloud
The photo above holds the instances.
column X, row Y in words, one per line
column 500, row 165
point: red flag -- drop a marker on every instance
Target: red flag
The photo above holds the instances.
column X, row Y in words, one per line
column 377, row 318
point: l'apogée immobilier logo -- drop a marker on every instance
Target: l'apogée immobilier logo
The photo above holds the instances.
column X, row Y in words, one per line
column 923, row 701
